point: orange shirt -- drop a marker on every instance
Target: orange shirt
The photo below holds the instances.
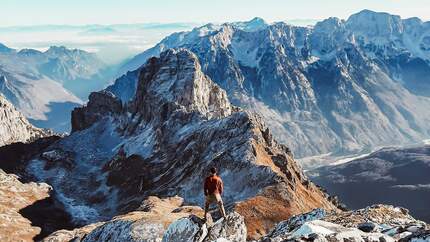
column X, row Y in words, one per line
column 213, row 185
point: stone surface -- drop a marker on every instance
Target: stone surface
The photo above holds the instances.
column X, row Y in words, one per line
column 149, row 223
column 14, row 127
column 14, row 196
column 386, row 223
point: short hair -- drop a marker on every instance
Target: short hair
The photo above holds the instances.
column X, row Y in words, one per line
column 213, row 170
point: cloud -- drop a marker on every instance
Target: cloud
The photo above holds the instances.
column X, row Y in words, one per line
column 417, row 187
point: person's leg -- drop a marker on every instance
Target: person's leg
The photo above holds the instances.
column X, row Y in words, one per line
column 207, row 203
column 220, row 205
column 221, row 209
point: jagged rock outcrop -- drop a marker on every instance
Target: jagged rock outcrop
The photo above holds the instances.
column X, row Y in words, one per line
column 14, row 196
column 14, row 127
column 162, row 143
column 99, row 104
column 340, row 86
column 158, row 224
column 148, row 223
column 193, row 229
column 386, row 223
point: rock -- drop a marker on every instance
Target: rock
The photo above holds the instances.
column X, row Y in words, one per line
column 14, row 127
column 294, row 222
column 14, row 196
column 366, row 227
column 126, row 230
column 148, row 224
column 422, row 235
column 190, row 229
column 374, row 223
column 99, row 104
column 232, row 228
column 326, row 231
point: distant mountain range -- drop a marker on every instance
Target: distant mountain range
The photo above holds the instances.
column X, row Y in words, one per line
column 46, row 86
column 341, row 86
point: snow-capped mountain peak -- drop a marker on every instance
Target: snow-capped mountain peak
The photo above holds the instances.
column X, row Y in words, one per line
column 254, row 24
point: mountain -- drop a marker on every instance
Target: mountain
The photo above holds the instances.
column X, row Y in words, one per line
column 14, row 127
column 341, row 86
column 45, row 86
column 79, row 71
column 397, row 176
column 178, row 124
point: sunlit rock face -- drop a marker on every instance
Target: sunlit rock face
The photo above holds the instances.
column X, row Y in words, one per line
column 14, row 127
column 14, row 196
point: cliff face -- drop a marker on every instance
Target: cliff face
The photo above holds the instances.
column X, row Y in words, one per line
column 14, row 127
column 163, row 142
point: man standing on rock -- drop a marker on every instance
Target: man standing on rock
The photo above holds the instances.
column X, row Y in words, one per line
column 213, row 189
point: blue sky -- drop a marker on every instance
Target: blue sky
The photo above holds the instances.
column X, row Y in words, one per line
column 35, row 12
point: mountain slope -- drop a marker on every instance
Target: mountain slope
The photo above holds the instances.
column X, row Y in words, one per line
column 340, row 86
column 14, row 127
column 391, row 175
column 44, row 85
column 177, row 126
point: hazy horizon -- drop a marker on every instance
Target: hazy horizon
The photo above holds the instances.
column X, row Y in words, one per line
column 118, row 38
column 107, row 12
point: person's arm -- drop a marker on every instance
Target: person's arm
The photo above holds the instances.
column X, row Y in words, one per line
column 221, row 186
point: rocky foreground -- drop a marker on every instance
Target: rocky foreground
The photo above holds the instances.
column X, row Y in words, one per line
column 15, row 196
column 374, row 223
column 168, row 219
